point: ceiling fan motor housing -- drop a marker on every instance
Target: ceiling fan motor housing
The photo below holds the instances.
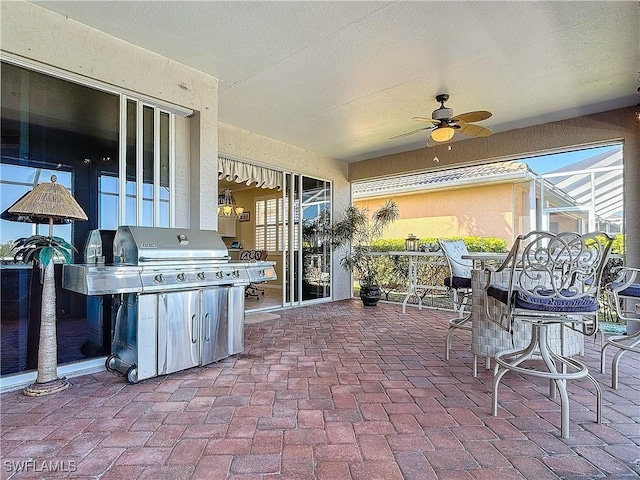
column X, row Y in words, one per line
column 442, row 113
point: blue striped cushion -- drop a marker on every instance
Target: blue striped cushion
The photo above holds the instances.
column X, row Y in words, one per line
column 545, row 302
column 632, row 290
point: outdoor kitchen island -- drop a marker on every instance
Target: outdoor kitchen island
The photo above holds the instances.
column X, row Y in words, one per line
column 178, row 299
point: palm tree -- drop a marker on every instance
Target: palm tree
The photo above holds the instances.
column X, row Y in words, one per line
column 43, row 249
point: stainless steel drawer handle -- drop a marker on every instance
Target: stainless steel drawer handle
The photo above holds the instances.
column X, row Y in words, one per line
column 194, row 329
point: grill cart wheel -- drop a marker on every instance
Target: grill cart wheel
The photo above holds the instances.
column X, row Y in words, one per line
column 110, row 363
column 132, row 374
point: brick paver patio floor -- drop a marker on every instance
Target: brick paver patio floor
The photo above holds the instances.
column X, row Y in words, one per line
column 335, row 391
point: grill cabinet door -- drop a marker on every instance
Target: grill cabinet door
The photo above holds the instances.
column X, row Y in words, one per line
column 215, row 315
column 178, row 331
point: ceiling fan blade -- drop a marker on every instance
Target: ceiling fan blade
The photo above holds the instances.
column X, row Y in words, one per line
column 474, row 130
column 410, row 133
column 425, row 119
column 472, row 116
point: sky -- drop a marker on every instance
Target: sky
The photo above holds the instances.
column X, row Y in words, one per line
column 547, row 163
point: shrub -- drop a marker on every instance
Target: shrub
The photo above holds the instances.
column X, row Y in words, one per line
column 392, row 272
column 474, row 244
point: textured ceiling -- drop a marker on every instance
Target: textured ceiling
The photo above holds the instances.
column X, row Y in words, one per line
column 341, row 78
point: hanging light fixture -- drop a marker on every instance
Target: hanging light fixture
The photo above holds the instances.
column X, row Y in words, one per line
column 442, row 134
column 227, row 206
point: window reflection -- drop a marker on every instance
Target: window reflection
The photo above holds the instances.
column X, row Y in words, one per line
column 51, row 126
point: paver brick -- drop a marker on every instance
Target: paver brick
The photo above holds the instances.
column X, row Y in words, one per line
column 332, row 391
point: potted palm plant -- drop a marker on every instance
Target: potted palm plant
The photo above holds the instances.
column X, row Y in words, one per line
column 359, row 230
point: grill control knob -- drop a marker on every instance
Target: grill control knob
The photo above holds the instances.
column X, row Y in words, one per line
column 201, row 276
column 262, row 273
column 180, row 277
column 236, row 273
column 158, row 278
column 218, row 274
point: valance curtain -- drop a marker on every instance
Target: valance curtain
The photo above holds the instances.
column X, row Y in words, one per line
column 236, row 171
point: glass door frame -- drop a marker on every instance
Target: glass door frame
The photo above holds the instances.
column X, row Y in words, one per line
column 292, row 278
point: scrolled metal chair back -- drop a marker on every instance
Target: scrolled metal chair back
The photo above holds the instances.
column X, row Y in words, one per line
column 566, row 265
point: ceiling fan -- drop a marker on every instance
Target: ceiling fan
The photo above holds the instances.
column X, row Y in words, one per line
column 446, row 125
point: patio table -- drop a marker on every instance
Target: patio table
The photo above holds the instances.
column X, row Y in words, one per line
column 415, row 260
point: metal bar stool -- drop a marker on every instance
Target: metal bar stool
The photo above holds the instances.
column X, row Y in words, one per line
column 459, row 282
column 554, row 281
column 626, row 303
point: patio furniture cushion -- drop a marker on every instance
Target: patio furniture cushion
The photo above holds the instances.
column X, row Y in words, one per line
column 546, row 301
column 458, row 282
column 632, row 290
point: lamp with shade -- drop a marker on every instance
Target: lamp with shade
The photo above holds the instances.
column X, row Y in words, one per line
column 55, row 204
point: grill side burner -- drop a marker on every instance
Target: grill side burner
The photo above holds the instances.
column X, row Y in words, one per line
column 179, row 300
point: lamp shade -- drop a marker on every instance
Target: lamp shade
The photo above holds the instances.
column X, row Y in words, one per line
column 442, row 134
column 48, row 201
column 227, row 206
column 21, row 217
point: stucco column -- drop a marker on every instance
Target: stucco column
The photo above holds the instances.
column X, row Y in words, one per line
column 203, row 179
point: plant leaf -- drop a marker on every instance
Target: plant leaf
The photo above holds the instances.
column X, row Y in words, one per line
column 46, row 254
column 61, row 242
column 65, row 253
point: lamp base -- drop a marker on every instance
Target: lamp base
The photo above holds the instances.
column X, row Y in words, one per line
column 46, row 388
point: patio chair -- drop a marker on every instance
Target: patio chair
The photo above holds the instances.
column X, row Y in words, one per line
column 554, row 281
column 459, row 283
column 252, row 290
column 625, row 290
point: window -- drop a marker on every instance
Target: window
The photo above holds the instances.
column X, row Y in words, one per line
column 108, row 201
column 115, row 153
column 269, row 220
column 15, row 181
column 271, row 232
column 148, row 164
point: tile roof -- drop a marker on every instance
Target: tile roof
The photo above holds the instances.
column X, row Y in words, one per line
column 424, row 180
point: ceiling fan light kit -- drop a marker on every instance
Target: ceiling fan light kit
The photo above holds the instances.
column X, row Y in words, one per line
column 443, row 134
column 446, row 125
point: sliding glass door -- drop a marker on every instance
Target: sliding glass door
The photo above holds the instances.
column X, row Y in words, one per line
column 115, row 154
column 307, row 255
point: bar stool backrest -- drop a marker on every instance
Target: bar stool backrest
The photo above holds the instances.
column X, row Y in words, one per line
column 256, row 255
column 453, row 251
column 554, row 274
column 565, row 266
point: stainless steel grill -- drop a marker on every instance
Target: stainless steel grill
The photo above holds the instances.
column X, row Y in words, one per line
column 147, row 259
column 178, row 297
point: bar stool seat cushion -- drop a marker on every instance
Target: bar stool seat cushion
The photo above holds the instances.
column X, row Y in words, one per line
column 632, row 290
column 458, row 282
column 541, row 304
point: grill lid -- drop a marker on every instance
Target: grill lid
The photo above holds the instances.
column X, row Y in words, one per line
column 134, row 245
